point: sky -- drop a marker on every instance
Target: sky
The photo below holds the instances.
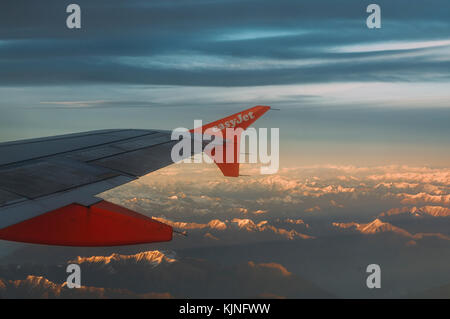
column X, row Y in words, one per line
column 364, row 142
column 348, row 94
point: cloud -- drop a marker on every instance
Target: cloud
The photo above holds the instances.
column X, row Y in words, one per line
column 222, row 44
column 392, row 46
column 97, row 104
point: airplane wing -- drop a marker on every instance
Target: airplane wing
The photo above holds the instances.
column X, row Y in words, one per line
column 48, row 186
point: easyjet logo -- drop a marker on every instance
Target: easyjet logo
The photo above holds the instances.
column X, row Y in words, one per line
column 234, row 122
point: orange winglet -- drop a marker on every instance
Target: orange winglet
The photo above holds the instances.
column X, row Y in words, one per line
column 102, row 224
column 241, row 120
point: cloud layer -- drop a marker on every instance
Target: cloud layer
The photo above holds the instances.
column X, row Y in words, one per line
column 222, row 43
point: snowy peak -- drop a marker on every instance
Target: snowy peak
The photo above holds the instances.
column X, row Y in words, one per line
column 378, row 226
column 374, row 227
column 35, row 282
column 152, row 258
column 434, row 211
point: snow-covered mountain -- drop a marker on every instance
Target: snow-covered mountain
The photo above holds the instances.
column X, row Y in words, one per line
column 151, row 258
column 378, row 226
column 434, row 211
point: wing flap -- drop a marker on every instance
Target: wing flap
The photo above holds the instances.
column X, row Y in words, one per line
column 18, row 212
column 50, row 146
column 7, row 198
column 111, row 149
column 140, row 162
column 101, row 224
column 40, row 178
column 143, row 142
